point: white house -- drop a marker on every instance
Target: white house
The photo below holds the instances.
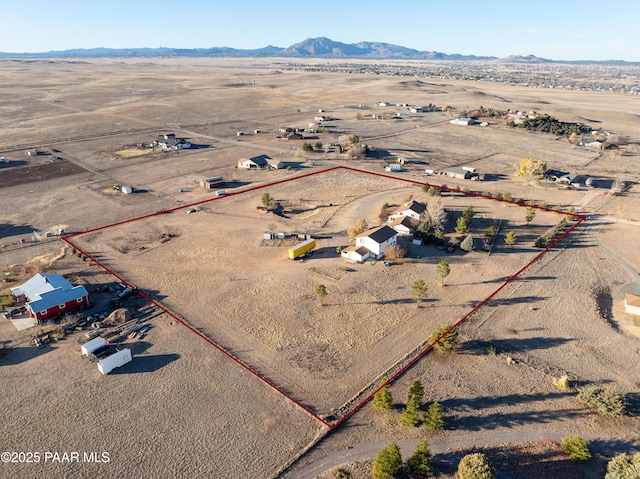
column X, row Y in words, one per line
column 632, row 303
column 254, row 163
column 376, row 240
column 413, row 210
column 404, row 225
column 170, row 142
column 355, row 253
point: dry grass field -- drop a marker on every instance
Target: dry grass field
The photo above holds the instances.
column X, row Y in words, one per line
column 181, row 408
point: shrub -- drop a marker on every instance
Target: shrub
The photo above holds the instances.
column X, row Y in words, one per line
column 475, row 466
column 623, row 467
column 468, row 244
column 563, row 382
column 576, row 447
column 543, row 241
column 604, row 400
column 448, row 343
column 340, row 473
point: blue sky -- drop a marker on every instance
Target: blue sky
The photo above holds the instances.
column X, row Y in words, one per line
column 560, row 29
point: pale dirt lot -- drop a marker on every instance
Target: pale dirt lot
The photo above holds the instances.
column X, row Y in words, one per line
column 561, row 318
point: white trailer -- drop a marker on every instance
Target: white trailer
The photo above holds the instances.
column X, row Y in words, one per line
column 114, row 361
column 469, row 169
column 429, row 172
column 93, row 345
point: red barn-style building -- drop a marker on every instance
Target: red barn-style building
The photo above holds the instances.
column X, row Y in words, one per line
column 50, row 295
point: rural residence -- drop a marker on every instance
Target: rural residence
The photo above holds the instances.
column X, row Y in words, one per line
column 47, row 296
column 170, row 142
column 374, row 240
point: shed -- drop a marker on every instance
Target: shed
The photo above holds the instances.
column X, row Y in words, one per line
column 211, row 183
column 93, row 345
column 127, row 190
column 463, row 120
column 32, row 152
column 458, row 173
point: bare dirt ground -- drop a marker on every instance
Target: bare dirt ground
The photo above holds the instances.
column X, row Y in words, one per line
column 181, row 406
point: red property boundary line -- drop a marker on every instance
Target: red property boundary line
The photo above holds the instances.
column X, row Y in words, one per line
column 67, row 239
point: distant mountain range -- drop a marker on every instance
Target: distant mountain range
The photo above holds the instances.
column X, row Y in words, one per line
column 310, row 48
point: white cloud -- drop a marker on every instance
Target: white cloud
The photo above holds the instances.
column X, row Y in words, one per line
column 531, row 30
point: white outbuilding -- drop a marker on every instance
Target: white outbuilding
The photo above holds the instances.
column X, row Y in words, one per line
column 632, row 303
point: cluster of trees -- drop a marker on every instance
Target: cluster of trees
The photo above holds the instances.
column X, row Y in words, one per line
column 308, row 147
column 432, row 419
column 549, row 124
column 547, row 238
column 388, row 464
column 463, row 224
column 431, row 229
column 419, row 287
column 482, row 111
column 389, row 461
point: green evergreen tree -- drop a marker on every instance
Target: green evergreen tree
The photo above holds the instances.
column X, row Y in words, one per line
column 419, row 291
column 382, row 399
column 510, row 238
column 387, row 462
column 443, row 270
column 433, row 418
column 448, row 343
column 266, row 200
column 468, row 214
column 462, row 226
column 410, row 413
column 529, row 214
column 420, row 462
column 416, row 390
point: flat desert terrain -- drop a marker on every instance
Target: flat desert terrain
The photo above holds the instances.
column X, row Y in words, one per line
column 184, row 408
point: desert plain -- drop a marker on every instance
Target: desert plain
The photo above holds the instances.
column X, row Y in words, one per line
column 184, row 408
